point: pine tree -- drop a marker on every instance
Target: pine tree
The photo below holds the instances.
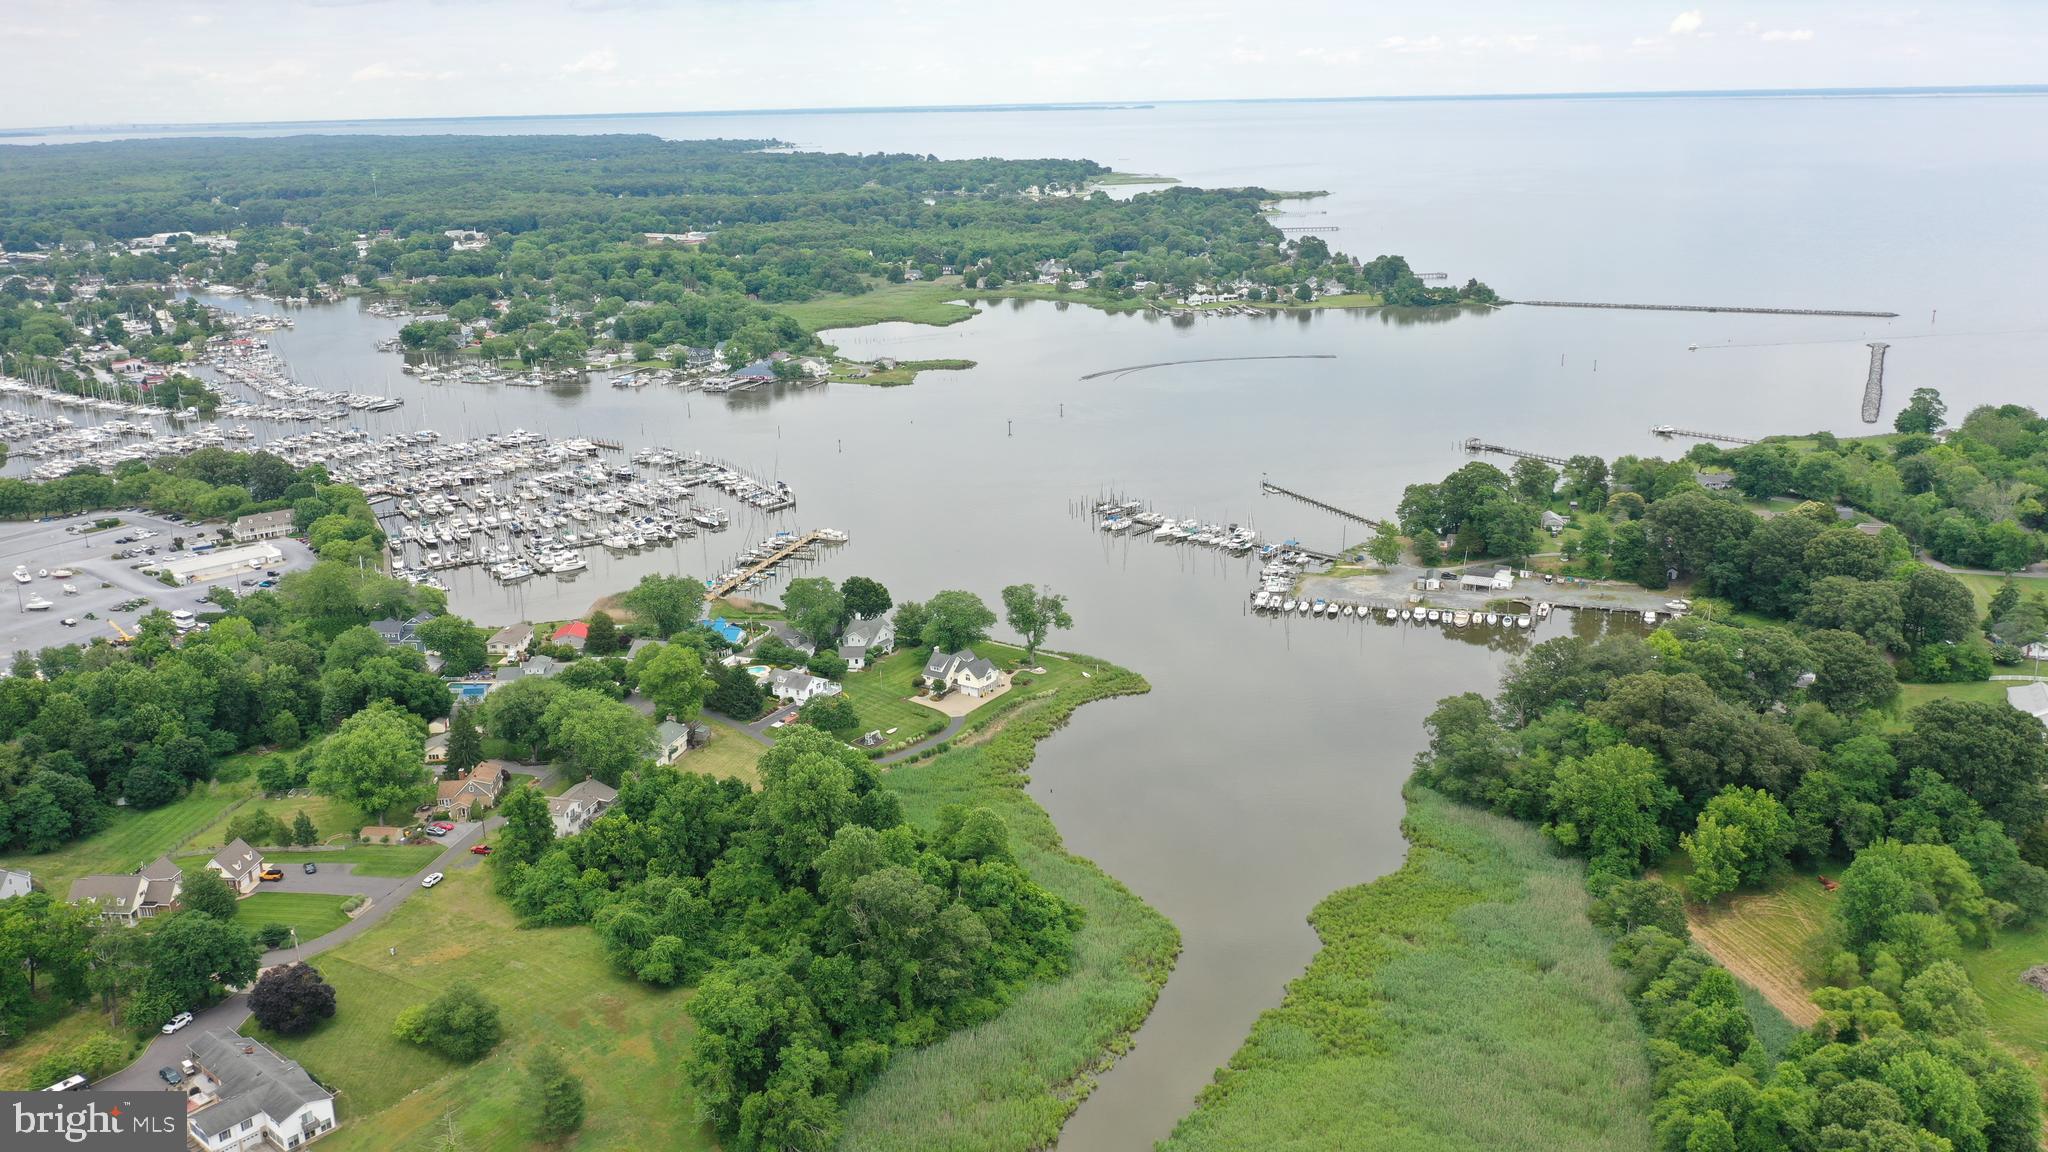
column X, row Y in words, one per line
column 554, row 1096
column 603, row 637
column 465, row 742
column 303, row 832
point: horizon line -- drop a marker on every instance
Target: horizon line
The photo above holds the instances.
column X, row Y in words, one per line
column 2024, row 89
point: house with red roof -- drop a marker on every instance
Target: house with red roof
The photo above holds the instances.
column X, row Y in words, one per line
column 573, row 634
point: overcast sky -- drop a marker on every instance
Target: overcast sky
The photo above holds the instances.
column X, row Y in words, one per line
column 181, row 61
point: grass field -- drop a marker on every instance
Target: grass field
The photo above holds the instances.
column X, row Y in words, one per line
column 730, row 753
column 1912, row 696
column 1463, row 1002
column 881, row 693
column 906, row 372
column 1768, row 940
column 919, row 303
column 552, row 985
column 64, row 1034
column 314, row 914
column 134, row 838
column 2018, row 1013
column 1008, row 1085
column 1984, row 587
column 330, row 817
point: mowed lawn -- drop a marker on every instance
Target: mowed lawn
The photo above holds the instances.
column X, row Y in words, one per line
column 330, row 817
column 881, row 693
column 730, row 753
column 920, row 302
column 1984, row 587
column 314, row 914
column 134, row 838
column 1768, row 939
column 387, row 861
column 625, row 1039
column 2018, row 1012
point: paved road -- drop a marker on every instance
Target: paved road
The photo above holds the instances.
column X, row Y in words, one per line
column 231, row 1012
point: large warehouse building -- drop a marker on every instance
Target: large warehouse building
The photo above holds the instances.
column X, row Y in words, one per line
column 225, row 562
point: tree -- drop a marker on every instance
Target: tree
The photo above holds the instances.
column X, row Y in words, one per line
column 460, row 643
column 375, row 763
column 815, row 608
column 592, row 734
column 205, row 891
column 864, row 597
column 737, row 694
column 189, row 958
column 1585, row 480
column 1534, row 481
column 465, row 741
column 291, row 999
column 1936, row 607
column 1868, row 608
column 1386, row 546
column 1923, row 414
column 304, row 834
column 1993, row 752
column 909, row 621
column 1033, row 612
column 528, row 831
column 673, row 678
column 553, row 1096
column 460, row 1024
column 833, row 714
column 1849, row 675
column 953, row 620
column 602, row 636
column 1741, row 838
column 1607, row 805
column 669, row 603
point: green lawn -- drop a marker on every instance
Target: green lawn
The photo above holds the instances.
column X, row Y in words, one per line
column 1912, row 696
column 134, row 838
column 331, row 817
column 314, row 914
column 1463, row 1002
column 918, row 303
column 383, row 860
column 1008, row 1085
column 906, row 372
column 1767, row 938
column 66, row 1033
column 730, row 753
column 1983, row 587
column 881, row 693
column 2018, row 1012
column 553, row 986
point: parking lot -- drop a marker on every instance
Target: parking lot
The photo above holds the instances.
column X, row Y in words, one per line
column 102, row 583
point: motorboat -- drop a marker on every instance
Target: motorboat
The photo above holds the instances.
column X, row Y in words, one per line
column 21, row 575
column 71, row 589
column 1434, row 616
column 1543, row 610
column 1492, row 618
column 1460, row 618
column 1523, row 620
column 1649, row 617
column 38, row 604
column 1347, row 610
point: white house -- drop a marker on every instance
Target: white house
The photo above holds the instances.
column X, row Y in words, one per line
column 13, row 883
column 240, row 865
column 246, row 1097
column 671, row 741
column 264, row 525
column 866, row 636
column 510, row 643
column 2031, row 698
column 796, row 685
column 576, row 808
column 963, row 671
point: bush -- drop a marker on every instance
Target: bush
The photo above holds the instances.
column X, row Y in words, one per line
column 459, row 1024
column 92, row 1058
column 258, row 828
column 553, row 1098
column 292, row 999
column 353, row 903
column 274, row 935
column 829, row 665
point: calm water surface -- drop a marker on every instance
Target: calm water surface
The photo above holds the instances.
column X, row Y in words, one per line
column 1263, row 771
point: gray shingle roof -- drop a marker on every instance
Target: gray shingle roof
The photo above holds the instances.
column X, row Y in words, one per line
column 237, row 859
column 254, row 1081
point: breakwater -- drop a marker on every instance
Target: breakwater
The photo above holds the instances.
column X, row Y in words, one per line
column 1707, row 308
column 1873, row 384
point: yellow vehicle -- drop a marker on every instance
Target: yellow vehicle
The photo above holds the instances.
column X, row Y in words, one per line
column 121, row 635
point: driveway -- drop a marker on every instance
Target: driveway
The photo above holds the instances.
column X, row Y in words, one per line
column 330, row 880
column 230, row 1013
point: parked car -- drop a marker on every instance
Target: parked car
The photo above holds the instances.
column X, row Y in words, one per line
column 170, row 1075
column 177, row 1022
column 434, row 830
column 311, row 867
column 271, row 873
column 444, row 826
column 70, row 621
column 480, row 849
column 430, row 881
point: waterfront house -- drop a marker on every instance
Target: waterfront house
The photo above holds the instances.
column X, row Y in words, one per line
column 963, row 671
column 728, row 631
column 394, row 631
column 796, row 685
column 264, row 525
column 571, row 635
column 510, row 643
column 238, row 864
column 14, row 883
column 135, row 896
column 575, row 809
column 245, row 1096
column 866, row 636
column 1717, row 481
column 782, row 630
column 2031, row 698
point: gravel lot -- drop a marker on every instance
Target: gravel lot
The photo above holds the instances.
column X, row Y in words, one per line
column 101, row 580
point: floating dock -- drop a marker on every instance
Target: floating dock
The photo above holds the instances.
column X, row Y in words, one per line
column 1873, row 385
column 1270, row 488
column 1668, row 430
column 1707, row 308
column 1475, row 446
column 732, row 583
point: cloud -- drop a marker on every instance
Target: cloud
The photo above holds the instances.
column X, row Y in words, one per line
column 381, row 72
column 594, row 62
column 1323, row 55
column 1687, row 23
column 1404, row 45
column 1787, row 35
column 1649, row 46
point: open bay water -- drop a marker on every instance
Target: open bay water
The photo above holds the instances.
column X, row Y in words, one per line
column 1263, row 771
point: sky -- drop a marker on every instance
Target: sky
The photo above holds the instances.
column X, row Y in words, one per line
column 81, row 62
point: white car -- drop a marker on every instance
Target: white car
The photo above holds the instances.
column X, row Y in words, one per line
column 177, row 1022
column 430, row 881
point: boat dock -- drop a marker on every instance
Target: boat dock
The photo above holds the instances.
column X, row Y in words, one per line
column 783, row 549
column 1475, row 446
column 1668, row 430
column 1270, row 488
column 1873, row 385
column 1707, row 308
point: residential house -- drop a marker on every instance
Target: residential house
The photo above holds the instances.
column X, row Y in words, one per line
column 13, row 883
column 866, row 636
column 1553, row 523
column 782, row 630
column 571, row 635
column 728, row 631
column 963, row 671
column 264, row 525
column 473, row 791
column 437, row 748
column 135, row 896
column 510, row 643
column 575, row 809
column 240, row 865
column 2031, row 698
column 671, row 740
column 2035, row 651
column 1717, row 481
column 532, row 666
column 796, row 685
column 394, row 631
column 246, row 1096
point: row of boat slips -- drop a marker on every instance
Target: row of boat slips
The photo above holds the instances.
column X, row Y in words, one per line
column 1416, row 614
column 1132, row 518
column 767, row 560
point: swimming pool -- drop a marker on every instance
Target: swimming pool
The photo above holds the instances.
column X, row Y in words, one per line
column 470, row 692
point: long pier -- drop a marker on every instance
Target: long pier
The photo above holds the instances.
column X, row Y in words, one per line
column 1475, row 446
column 727, row 586
column 1308, row 227
column 1707, row 308
column 1271, row 488
column 1873, row 385
column 1668, row 430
